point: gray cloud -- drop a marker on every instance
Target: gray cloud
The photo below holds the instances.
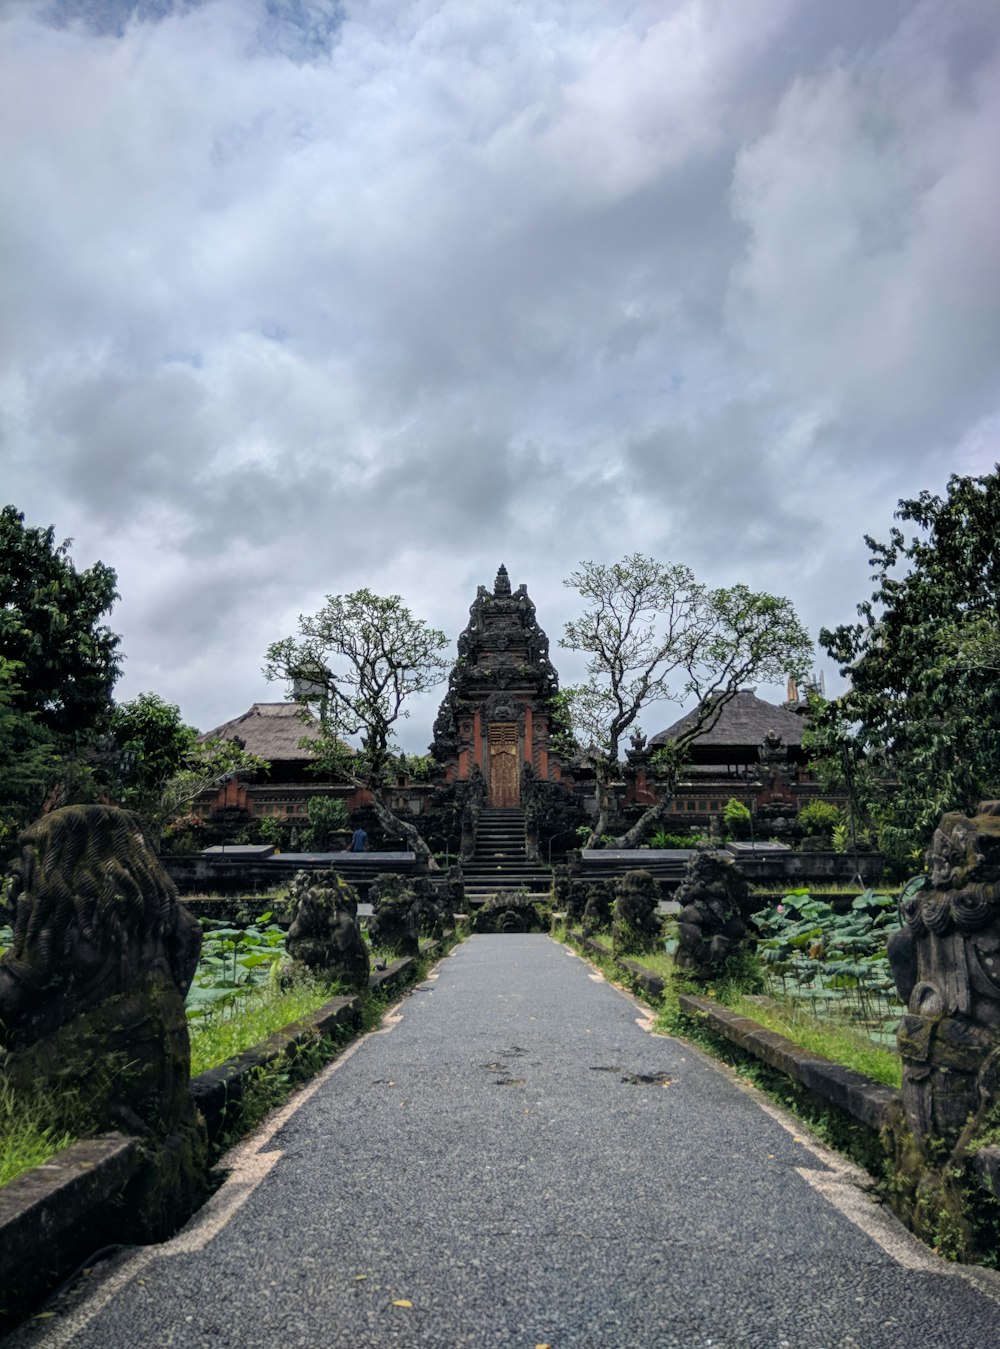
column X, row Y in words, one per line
column 304, row 297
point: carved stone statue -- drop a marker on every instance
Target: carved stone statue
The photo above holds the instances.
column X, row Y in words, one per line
column 324, row 936
column 715, row 903
column 636, row 926
column 507, row 913
column 598, row 907
column 92, row 995
column 946, row 964
column 394, row 924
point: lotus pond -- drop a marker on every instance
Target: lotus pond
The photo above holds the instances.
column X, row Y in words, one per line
column 833, row 965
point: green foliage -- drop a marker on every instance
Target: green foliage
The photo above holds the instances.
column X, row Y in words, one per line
column 31, row 1132
column 664, row 839
column 919, row 729
column 151, row 745
column 836, row 1040
column 735, row 814
column 835, row 962
column 417, row 767
column 236, row 1026
column 234, row 962
column 819, row 817
column 356, row 662
column 327, row 815
column 277, row 832
column 51, row 630
column 652, row 632
column 28, row 760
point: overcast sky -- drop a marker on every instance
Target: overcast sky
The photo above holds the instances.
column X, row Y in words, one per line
column 301, row 296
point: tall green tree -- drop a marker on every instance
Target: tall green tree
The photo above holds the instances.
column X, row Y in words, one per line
column 156, row 765
column 52, row 629
column 653, row 632
column 356, row 663
column 28, row 760
column 920, row 724
column 151, row 744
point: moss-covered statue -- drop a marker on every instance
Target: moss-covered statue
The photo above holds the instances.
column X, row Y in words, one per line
column 598, row 907
column 945, row 960
column 711, row 926
column 324, row 936
column 946, row 964
column 508, row 911
column 92, row 995
column 394, row 925
column 635, row 926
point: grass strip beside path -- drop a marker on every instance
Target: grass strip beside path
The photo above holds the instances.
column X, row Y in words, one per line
column 843, row 1044
column 252, row 1019
column 26, row 1139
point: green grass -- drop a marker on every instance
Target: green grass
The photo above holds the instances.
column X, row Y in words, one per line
column 251, row 1019
column 842, row 1043
column 27, row 1136
column 657, row 962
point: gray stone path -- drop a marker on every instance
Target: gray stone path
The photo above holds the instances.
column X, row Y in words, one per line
column 483, row 1160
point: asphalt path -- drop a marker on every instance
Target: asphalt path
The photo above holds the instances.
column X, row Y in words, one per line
column 515, row 1160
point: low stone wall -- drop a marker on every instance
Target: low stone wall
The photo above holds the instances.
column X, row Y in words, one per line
column 867, row 1101
column 54, row 1216
column 759, row 867
column 224, row 875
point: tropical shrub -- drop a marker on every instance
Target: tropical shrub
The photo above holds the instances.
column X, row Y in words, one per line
column 736, row 818
column 819, row 817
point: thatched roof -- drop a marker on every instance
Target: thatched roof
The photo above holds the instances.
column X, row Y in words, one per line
column 271, row 730
column 744, row 721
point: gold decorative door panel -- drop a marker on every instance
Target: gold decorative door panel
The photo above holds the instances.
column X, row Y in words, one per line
column 505, row 780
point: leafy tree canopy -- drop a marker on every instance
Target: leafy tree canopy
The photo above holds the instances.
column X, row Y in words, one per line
column 155, row 765
column 923, row 709
column 151, row 745
column 28, row 760
column 51, row 630
column 653, row 632
column 356, row 662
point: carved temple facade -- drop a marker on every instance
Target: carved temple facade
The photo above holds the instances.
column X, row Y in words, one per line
column 497, row 716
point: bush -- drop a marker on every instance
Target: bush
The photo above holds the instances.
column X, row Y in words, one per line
column 327, row 815
column 819, row 817
column 662, row 839
column 736, row 818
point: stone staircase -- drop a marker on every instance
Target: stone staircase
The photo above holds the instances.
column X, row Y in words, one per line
column 500, row 861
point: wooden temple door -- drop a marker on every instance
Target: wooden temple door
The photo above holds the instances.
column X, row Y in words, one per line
column 505, row 780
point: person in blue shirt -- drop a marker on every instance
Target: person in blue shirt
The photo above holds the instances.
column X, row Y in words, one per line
column 359, row 841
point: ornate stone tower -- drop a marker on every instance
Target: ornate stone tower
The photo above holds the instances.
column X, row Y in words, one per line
column 497, row 713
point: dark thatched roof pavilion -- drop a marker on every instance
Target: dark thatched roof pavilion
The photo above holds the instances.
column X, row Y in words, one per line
column 740, row 730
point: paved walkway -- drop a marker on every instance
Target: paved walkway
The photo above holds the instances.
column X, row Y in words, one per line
column 495, row 1169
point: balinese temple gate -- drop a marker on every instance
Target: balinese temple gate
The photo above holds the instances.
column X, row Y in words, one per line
column 497, row 714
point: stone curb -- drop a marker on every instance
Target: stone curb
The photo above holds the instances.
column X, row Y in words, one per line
column 56, row 1214
column 648, row 981
column 866, row 1100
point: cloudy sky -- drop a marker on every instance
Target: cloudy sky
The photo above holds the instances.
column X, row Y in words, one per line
column 299, row 296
